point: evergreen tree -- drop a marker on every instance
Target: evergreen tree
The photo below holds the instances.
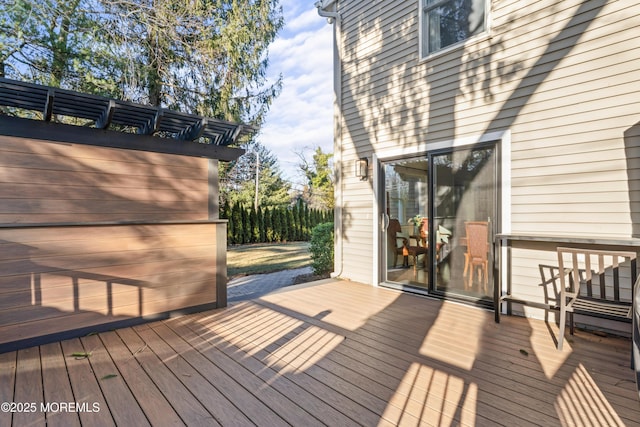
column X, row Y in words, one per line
column 318, row 173
column 291, row 234
column 268, row 225
column 57, row 43
column 277, row 224
column 262, row 232
column 201, row 57
column 237, row 224
column 246, row 226
column 238, row 179
column 307, row 221
column 253, row 225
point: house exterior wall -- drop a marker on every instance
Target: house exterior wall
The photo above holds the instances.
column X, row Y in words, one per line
column 562, row 78
column 93, row 236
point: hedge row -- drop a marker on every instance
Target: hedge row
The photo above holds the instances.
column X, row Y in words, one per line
column 276, row 224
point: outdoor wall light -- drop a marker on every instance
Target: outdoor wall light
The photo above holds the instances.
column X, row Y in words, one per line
column 362, row 168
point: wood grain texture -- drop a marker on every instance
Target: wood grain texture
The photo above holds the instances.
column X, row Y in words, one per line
column 54, row 279
column 338, row 353
column 55, row 182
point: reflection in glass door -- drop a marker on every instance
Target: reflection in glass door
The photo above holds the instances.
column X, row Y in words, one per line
column 440, row 213
column 406, row 207
column 464, row 206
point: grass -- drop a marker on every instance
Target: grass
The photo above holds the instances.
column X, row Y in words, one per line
column 243, row 260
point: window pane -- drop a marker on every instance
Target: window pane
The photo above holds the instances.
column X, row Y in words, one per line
column 406, row 204
column 454, row 21
column 465, row 207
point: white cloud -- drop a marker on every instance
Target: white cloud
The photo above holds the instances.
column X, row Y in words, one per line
column 302, row 116
column 304, row 21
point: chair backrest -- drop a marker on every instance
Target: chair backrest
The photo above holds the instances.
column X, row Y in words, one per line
column 598, row 273
column 393, row 228
column 424, row 228
column 636, row 334
column 477, row 239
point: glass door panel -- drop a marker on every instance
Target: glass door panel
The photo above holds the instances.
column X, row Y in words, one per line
column 464, row 196
column 406, row 206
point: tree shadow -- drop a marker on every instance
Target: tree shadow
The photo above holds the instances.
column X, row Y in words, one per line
column 404, row 359
column 632, row 153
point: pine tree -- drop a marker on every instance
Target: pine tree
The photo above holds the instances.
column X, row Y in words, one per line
column 236, row 218
column 200, row 57
column 262, row 232
column 268, row 225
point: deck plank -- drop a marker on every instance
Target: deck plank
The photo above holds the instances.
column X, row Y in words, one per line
column 336, row 353
column 146, row 394
column 201, row 383
column 8, row 364
column 190, row 410
column 113, row 386
column 28, row 388
column 215, row 364
column 57, row 388
column 84, row 384
column 252, row 340
column 312, row 404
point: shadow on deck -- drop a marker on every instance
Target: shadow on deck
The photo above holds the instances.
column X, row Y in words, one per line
column 331, row 353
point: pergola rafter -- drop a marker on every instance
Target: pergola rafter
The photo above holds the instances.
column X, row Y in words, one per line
column 158, row 129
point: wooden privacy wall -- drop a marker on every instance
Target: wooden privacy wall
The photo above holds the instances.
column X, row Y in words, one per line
column 57, row 279
column 45, row 182
column 92, row 238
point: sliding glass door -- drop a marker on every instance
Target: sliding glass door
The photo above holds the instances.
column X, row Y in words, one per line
column 465, row 206
column 406, row 206
column 440, row 213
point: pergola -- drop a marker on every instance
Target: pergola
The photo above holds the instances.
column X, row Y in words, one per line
column 108, row 212
column 172, row 132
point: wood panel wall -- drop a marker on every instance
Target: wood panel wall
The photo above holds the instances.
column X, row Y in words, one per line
column 57, row 279
column 92, row 237
column 45, row 182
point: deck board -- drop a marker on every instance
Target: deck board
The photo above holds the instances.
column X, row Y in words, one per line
column 57, row 387
column 203, row 380
column 114, row 388
column 145, row 392
column 7, row 381
column 86, row 390
column 214, row 363
column 335, row 353
column 28, row 388
column 190, row 410
column 313, row 405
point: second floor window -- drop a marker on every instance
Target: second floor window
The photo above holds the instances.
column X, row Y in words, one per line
column 446, row 22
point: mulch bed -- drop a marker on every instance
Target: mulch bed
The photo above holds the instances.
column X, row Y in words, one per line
column 304, row 278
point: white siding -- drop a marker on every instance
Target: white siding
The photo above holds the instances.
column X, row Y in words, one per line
column 563, row 77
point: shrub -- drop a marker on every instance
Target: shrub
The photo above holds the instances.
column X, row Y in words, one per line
column 321, row 248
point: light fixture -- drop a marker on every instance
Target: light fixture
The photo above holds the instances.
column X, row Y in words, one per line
column 362, row 168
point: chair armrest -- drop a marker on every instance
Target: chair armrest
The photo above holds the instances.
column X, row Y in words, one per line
column 402, row 240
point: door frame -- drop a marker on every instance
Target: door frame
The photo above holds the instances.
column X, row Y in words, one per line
column 502, row 141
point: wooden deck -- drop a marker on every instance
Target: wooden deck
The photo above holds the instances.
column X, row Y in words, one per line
column 334, row 353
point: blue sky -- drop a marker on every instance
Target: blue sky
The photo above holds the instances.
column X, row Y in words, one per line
column 301, row 118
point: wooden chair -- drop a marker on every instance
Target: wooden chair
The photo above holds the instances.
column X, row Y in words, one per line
column 402, row 245
column 590, row 284
column 477, row 255
column 397, row 241
column 635, row 335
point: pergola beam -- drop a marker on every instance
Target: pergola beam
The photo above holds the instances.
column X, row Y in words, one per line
column 107, row 115
column 147, row 119
column 48, row 106
column 59, row 132
column 194, row 131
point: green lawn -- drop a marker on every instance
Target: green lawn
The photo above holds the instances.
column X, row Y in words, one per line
column 266, row 258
